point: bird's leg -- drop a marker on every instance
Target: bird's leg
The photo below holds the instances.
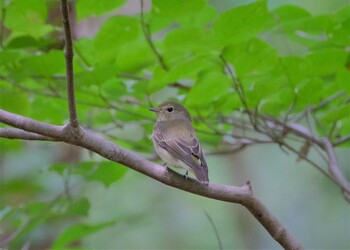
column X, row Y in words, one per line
column 186, row 175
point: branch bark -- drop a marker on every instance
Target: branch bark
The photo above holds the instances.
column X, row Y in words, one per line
column 335, row 170
column 93, row 142
column 73, row 117
column 15, row 133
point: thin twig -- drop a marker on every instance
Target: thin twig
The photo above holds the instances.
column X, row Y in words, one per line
column 324, row 172
column 237, row 85
column 317, row 148
column 319, row 106
column 148, row 37
column 215, row 229
column 290, row 109
column 59, row 96
column 86, row 65
column 341, row 140
column 73, row 117
column 335, row 170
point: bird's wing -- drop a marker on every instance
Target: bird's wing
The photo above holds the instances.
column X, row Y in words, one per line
column 189, row 151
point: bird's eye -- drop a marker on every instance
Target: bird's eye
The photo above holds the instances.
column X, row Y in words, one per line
column 170, row 109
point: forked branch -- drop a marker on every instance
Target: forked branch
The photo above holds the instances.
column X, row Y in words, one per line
column 95, row 143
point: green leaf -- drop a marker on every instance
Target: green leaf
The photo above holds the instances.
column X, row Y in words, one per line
column 228, row 103
column 10, row 145
column 115, row 33
column 201, row 18
column 10, row 56
column 134, row 57
column 59, row 168
column 15, row 102
column 24, row 187
column 296, row 69
column 343, row 79
column 158, row 80
column 209, row 87
column 113, row 88
column 186, row 39
column 50, row 110
column 27, row 17
column 343, row 14
column 178, row 8
column 79, row 208
column 290, row 13
column 107, row 172
column 96, row 76
column 338, row 114
column 306, row 91
column 326, row 61
column 278, row 102
column 45, row 64
column 237, row 24
column 296, row 36
column 84, row 53
column 77, row 232
column 190, row 68
column 22, row 42
column 262, row 87
column 252, row 57
column 86, row 8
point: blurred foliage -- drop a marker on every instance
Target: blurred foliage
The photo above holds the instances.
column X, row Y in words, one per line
column 283, row 56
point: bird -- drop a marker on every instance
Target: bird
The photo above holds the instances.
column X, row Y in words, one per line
column 175, row 140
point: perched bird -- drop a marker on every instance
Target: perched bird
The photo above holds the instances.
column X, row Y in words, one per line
column 175, row 140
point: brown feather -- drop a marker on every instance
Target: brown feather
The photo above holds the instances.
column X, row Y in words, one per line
column 178, row 138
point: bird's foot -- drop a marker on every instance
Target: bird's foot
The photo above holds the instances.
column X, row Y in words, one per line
column 186, row 175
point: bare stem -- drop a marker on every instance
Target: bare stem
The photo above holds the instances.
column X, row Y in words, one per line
column 73, row 117
column 335, row 170
column 147, row 34
column 341, row 140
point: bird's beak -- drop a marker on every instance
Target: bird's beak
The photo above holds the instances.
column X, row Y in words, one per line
column 154, row 109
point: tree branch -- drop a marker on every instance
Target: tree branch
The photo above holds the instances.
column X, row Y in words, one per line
column 89, row 140
column 73, row 117
column 334, row 169
column 334, row 173
column 341, row 140
column 15, row 133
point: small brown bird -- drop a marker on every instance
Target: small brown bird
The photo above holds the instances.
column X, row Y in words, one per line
column 175, row 140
